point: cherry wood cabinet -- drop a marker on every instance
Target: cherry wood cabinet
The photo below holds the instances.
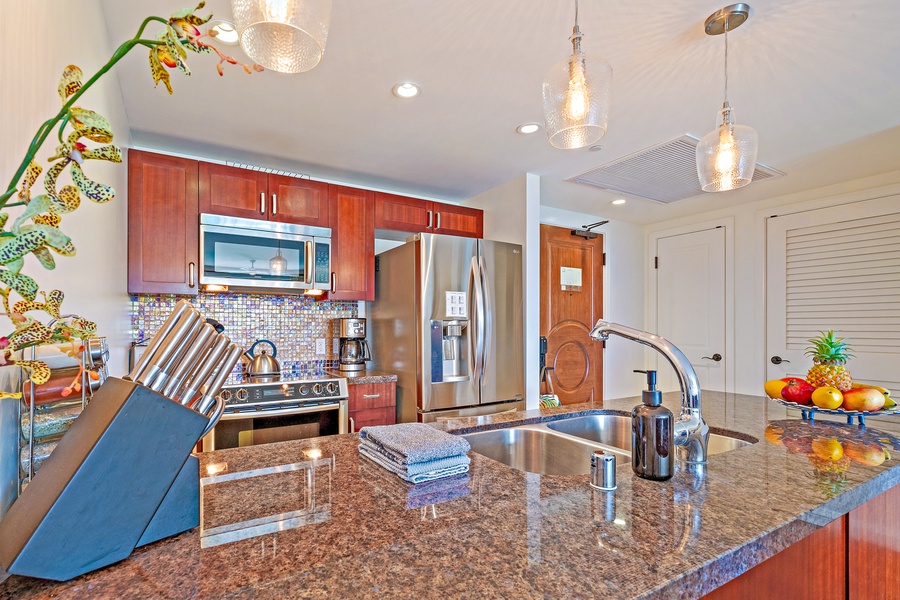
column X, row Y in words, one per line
column 352, row 243
column 163, row 224
column 856, row 556
column 402, row 213
column 255, row 195
column 372, row 404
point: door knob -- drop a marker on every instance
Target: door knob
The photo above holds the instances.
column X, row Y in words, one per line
column 777, row 360
column 716, row 357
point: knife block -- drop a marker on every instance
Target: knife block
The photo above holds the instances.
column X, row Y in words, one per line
column 122, row 476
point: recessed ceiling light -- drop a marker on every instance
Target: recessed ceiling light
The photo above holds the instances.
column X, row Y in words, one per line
column 406, row 89
column 618, row 201
column 527, row 128
column 225, row 32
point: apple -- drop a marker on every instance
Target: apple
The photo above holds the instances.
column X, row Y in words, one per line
column 863, row 399
column 797, row 390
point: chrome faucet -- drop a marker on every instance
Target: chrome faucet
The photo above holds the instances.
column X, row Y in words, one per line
column 691, row 431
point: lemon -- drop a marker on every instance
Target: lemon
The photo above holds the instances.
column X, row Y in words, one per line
column 828, row 449
column 773, row 388
column 827, row 397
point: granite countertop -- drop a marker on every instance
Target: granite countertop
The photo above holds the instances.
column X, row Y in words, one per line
column 347, row 528
column 367, row 376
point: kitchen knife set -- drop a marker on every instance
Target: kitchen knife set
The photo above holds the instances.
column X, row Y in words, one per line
column 181, row 359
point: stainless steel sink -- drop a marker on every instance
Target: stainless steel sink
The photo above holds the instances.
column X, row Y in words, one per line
column 564, row 447
column 615, row 430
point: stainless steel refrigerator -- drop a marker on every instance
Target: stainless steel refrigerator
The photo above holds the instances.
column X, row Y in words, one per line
column 448, row 320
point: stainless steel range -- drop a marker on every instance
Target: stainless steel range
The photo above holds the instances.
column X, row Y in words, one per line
column 262, row 413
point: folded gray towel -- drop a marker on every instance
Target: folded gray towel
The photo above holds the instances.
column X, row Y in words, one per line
column 415, row 442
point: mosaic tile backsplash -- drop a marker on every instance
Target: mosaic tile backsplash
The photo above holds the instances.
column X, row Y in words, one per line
column 291, row 323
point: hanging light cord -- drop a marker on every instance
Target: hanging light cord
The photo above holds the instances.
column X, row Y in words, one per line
column 576, row 34
column 726, row 60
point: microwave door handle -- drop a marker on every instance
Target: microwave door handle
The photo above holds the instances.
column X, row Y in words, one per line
column 310, row 263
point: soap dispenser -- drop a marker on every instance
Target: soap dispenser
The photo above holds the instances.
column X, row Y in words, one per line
column 652, row 434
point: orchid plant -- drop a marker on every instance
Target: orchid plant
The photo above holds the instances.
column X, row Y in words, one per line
column 37, row 229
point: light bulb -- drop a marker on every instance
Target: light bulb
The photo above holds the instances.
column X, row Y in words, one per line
column 725, row 156
column 577, row 98
column 276, row 10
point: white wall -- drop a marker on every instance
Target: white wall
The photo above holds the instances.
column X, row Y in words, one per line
column 39, row 38
column 749, row 262
column 511, row 214
column 623, row 295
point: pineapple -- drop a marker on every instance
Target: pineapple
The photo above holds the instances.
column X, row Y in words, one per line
column 829, row 355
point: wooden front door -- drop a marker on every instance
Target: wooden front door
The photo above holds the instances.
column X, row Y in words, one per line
column 571, row 302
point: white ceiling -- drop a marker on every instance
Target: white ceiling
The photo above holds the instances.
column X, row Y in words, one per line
column 818, row 80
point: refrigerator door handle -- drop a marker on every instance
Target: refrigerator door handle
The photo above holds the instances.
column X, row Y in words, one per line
column 478, row 318
column 485, row 322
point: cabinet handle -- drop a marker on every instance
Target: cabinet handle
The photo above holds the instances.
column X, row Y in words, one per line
column 333, row 282
column 262, row 203
column 438, row 215
column 274, row 204
column 429, row 220
column 352, row 425
column 371, row 395
column 190, row 275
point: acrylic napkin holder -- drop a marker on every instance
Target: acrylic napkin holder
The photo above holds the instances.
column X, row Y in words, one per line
column 121, row 477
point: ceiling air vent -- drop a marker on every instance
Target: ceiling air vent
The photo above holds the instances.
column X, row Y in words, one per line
column 665, row 173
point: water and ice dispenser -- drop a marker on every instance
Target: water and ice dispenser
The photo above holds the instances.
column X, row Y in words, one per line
column 449, row 341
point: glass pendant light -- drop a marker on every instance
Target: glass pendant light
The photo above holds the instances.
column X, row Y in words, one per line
column 287, row 36
column 576, row 97
column 278, row 264
column 726, row 157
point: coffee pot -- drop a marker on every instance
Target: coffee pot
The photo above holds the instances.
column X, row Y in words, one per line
column 354, row 350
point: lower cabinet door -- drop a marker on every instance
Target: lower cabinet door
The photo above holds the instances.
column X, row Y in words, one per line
column 372, row 416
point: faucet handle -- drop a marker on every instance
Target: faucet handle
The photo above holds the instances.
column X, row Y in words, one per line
column 651, row 378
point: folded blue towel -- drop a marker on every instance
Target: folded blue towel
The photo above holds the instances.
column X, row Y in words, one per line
column 421, row 472
column 415, row 442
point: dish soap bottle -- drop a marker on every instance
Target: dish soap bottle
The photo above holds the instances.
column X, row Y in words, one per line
column 652, row 434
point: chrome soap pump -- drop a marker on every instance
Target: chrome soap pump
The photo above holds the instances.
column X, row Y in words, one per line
column 652, row 434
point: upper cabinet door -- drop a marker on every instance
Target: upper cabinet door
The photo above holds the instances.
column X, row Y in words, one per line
column 352, row 243
column 403, row 214
column 450, row 219
column 233, row 192
column 299, row 201
column 163, row 224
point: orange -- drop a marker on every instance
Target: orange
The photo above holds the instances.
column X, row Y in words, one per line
column 827, row 397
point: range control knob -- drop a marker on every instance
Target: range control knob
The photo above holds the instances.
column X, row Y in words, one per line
column 241, row 394
column 226, row 395
column 304, row 390
column 332, row 388
column 317, row 389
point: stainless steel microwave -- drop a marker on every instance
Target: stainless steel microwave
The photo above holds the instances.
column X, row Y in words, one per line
column 248, row 253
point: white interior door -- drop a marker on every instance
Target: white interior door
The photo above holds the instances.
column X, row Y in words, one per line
column 835, row 268
column 690, row 304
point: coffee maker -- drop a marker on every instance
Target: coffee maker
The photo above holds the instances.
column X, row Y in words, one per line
column 353, row 349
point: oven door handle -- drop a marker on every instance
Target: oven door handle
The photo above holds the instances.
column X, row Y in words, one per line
column 280, row 411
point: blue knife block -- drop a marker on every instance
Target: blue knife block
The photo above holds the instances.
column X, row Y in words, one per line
column 121, row 477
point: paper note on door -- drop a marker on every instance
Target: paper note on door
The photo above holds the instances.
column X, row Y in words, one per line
column 570, row 279
column 456, row 305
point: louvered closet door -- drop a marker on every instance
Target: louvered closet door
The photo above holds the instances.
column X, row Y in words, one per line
column 836, row 268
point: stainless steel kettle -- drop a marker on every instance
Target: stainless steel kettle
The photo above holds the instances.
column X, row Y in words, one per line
column 262, row 366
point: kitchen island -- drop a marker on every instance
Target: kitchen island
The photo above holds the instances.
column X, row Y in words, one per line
column 314, row 519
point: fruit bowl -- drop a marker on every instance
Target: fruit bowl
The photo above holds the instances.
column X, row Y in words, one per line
column 808, row 411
